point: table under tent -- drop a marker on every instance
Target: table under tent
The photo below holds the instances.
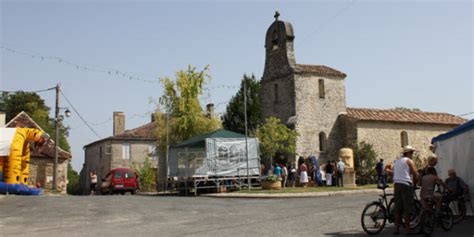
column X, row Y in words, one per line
column 213, row 162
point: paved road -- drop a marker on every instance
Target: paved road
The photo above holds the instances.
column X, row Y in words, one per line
column 189, row 216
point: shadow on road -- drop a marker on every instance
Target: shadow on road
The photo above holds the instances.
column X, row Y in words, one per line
column 462, row 229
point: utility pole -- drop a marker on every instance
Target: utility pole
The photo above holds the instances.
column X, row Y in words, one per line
column 167, row 147
column 56, row 135
column 246, row 140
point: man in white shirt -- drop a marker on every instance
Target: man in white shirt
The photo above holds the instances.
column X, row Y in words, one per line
column 404, row 176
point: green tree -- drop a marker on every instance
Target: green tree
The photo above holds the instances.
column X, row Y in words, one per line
column 365, row 159
column 234, row 117
column 73, row 186
column 146, row 175
column 185, row 114
column 275, row 138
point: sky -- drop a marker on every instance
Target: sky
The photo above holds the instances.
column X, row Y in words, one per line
column 415, row 54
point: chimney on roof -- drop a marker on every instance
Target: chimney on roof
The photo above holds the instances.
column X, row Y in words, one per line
column 210, row 110
column 119, row 122
column 2, row 119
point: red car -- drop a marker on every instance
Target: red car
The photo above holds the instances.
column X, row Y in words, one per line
column 120, row 180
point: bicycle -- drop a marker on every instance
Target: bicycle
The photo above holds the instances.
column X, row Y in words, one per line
column 457, row 206
column 432, row 216
column 377, row 213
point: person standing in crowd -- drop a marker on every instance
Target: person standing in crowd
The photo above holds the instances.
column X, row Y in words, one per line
column 404, row 176
column 322, row 170
column 340, row 168
column 293, row 175
column 303, row 175
column 284, row 175
column 277, row 170
column 93, row 177
column 329, row 172
column 379, row 168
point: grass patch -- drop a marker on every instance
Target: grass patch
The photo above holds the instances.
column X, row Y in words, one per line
column 308, row 189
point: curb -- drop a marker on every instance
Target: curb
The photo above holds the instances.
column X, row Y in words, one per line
column 294, row 195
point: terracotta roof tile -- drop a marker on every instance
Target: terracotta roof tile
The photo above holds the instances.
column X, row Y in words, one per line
column 391, row 115
column 146, row 131
column 23, row 120
column 319, row 69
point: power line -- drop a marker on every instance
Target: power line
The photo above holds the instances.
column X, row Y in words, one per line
column 329, row 20
column 37, row 91
column 461, row 115
column 78, row 114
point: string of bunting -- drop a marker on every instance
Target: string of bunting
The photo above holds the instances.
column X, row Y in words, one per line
column 91, row 68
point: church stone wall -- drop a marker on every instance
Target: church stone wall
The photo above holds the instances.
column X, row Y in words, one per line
column 386, row 137
column 284, row 108
column 315, row 115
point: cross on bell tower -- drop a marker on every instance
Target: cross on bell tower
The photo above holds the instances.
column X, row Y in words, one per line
column 277, row 14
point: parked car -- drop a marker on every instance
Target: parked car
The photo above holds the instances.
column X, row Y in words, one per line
column 120, row 180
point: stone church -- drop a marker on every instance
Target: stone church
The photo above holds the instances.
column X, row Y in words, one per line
column 311, row 99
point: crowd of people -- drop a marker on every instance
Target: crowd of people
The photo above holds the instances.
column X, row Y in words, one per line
column 308, row 172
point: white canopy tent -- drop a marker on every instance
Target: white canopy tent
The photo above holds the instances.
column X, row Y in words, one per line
column 455, row 150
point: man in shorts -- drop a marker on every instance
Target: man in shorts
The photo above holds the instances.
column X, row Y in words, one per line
column 404, row 176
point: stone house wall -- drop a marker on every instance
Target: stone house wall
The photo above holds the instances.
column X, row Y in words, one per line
column 386, row 137
column 41, row 170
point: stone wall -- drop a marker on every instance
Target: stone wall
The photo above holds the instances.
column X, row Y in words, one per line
column 315, row 115
column 41, row 170
column 139, row 151
column 284, row 108
column 386, row 137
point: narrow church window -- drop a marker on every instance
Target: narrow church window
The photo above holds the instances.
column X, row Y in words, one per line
column 321, row 89
column 322, row 141
column 275, row 93
column 275, row 40
column 404, row 138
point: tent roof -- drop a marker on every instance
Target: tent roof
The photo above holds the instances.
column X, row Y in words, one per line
column 457, row 130
column 199, row 140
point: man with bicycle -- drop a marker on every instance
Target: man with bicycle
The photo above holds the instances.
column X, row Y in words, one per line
column 456, row 186
column 404, row 176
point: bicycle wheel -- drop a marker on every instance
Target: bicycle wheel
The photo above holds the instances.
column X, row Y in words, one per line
column 427, row 221
column 415, row 219
column 446, row 218
column 373, row 218
column 458, row 209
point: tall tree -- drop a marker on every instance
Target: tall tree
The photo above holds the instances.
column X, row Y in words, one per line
column 276, row 138
column 181, row 101
column 233, row 118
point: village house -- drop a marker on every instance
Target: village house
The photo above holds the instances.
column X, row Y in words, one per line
column 312, row 100
column 42, row 161
column 125, row 148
